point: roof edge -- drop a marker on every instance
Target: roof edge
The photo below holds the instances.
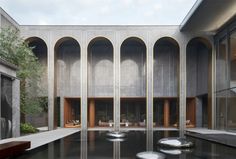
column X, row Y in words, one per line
column 9, row 18
column 8, row 64
column 190, row 14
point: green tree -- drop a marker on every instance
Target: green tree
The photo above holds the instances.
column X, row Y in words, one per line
column 15, row 50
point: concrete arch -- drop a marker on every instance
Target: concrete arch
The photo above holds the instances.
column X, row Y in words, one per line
column 67, row 51
column 167, row 39
column 100, row 41
column 198, row 73
column 34, row 38
column 64, row 39
column 166, row 64
column 37, row 43
column 100, row 53
column 135, row 39
column 133, row 52
column 67, row 43
column 198, row 56
column 202, row 40
column 40, row 50
column 99, row 38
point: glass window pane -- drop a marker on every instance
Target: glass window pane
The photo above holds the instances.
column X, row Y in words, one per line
column 221, row 66
column 233, row 60
column 231, row 94
column 221, row 84
column 6, row 107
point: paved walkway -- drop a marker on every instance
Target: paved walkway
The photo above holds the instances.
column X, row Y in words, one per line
column 217, row 136
column 43, row 138
column 209, row 131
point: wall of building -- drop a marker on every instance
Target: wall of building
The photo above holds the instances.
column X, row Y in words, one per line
column 40, row 51
column 9, row 101
column 197, row 70
column 6, row 21
column 133, row 70
column 140, row 66
column 68, row 69
column 100, row 70
column 165, row 71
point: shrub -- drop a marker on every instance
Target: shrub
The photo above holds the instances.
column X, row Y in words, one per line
column 27, row 128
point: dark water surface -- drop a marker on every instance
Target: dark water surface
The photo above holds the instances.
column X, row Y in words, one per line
column 97, row 146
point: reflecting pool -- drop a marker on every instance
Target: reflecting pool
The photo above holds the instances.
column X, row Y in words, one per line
column 96, row 145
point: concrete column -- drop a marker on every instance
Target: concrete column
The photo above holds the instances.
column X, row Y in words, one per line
column 166, row 113
column 182, row 89
column 92, row 113
column 84, row 84
column 15, row 108
column 212, row 89
column 0, row 108
column 116, row 101
column 149, row 93
column 116, row 150
column 51, row 87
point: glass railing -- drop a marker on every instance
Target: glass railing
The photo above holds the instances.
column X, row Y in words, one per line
column 225, row 109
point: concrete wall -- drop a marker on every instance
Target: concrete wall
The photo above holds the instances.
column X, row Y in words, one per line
column 197, row 70
column 12, row 103
column 165, row 75
column 133, row 70
column 68, row 69
column 40, row 51
column 100, row 70
column 6, row 21
column 136, row 65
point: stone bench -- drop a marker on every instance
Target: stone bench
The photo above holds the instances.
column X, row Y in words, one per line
column 13, row 148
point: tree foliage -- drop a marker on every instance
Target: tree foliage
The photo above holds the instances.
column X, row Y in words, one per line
column 16, row 51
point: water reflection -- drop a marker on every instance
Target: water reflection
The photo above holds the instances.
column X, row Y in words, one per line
column 93, row 144
column 149, row 136
column 175, row 151
column 116, row 150
column 83, row 143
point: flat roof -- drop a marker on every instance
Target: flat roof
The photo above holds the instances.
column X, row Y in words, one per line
column 209, row 16
column 9, row 18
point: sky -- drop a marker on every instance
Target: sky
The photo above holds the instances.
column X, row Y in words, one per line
column 97, row 12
